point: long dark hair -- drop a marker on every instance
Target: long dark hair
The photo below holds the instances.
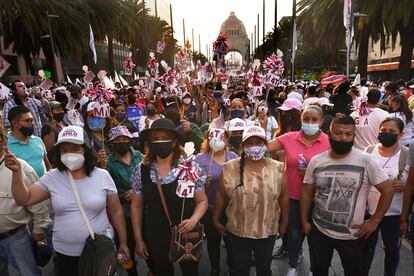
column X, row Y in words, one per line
column 90, row 159
column 403, row 107
column 294, row 122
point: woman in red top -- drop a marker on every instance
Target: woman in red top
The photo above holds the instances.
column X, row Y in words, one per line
column 307, row 142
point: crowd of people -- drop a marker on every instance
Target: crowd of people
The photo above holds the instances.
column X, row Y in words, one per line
column 331, row 164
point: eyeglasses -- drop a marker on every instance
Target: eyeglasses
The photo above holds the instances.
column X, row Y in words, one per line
column 28, row 121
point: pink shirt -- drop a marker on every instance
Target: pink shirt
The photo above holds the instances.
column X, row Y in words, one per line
column 293, row 145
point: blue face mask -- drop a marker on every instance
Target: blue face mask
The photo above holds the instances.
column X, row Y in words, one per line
column 96, row 123
column 310, row 129
column 237, row 114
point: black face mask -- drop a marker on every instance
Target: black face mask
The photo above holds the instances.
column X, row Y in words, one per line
column 237, row 114
column 161, row 149
column 132, row 99
column 340, row 147
column 58, row 116
column 151, row 112
column 27, row 131
column 387, row 139
column 235, row 141
column 121, row 148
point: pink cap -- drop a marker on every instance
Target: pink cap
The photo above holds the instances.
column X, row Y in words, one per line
column 291, row 103
column 254, row 131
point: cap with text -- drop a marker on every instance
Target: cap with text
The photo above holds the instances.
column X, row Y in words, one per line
column 72, row 134
column 254, row 131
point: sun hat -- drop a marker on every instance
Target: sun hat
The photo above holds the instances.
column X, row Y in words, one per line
column 253, row 131
column 291, row 103
column 118, row 131
column 161, row 124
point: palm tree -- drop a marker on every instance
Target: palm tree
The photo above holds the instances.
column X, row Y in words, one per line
column 399, row 18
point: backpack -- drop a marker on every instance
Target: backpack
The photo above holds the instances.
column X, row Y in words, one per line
column 98, row 256
column 402, row 161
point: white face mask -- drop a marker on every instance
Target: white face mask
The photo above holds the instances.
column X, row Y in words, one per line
column 187, row 100
column 73, row 161
column 216, row 145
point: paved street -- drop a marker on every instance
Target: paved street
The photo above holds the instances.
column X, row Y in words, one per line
column 280, row 267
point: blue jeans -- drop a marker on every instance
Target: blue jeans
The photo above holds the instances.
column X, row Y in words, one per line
column 17, row 249
column 390, row 233
column 241, row 250
column 295, row 235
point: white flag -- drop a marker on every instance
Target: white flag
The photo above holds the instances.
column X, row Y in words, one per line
column 69, row 80
column 92, row 44
column 294, row 41
column 347, row 21
column 123, row 81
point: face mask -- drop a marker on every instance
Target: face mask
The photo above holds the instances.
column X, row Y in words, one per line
column 132, row 99
column 235, row 141
column 58, row 116
column 255, row 152
column 26, row 131
column 73, row 161
column 340, row 147
column 161, row 149
column 310, row 129
column 237, row 114
column 216, row 145
column 187, row 100
column 151, row 112
column 96, row 123
column 387, row 139
column 121, row 148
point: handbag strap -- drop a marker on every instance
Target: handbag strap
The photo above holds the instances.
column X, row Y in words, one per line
column 164, row 203
column 78, row 201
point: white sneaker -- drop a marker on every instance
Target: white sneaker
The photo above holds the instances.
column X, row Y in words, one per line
column 292, row 272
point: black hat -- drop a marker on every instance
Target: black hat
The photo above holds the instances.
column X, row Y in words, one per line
column 161, row 124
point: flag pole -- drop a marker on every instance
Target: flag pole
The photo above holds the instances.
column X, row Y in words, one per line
column 294, row 39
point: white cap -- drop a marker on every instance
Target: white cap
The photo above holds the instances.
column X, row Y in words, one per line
column 72, row 134
column 295, row 95
column 324, row 101
column 237, row 124
column 254, row 131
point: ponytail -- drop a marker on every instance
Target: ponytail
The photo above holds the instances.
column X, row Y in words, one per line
column 242, row 163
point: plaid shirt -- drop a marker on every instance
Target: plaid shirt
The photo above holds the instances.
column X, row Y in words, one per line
column 35, row 108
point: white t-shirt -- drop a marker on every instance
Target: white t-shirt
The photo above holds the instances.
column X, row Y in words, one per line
column 309, row 101
column 391, row 168
column 408, row 128
column 367, row 127
column 69, row 229
column 271, row 126
column 342, row 187
column 356, row 102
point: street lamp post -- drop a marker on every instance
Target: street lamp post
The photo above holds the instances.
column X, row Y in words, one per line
column 349, row 48
column 52, row 45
